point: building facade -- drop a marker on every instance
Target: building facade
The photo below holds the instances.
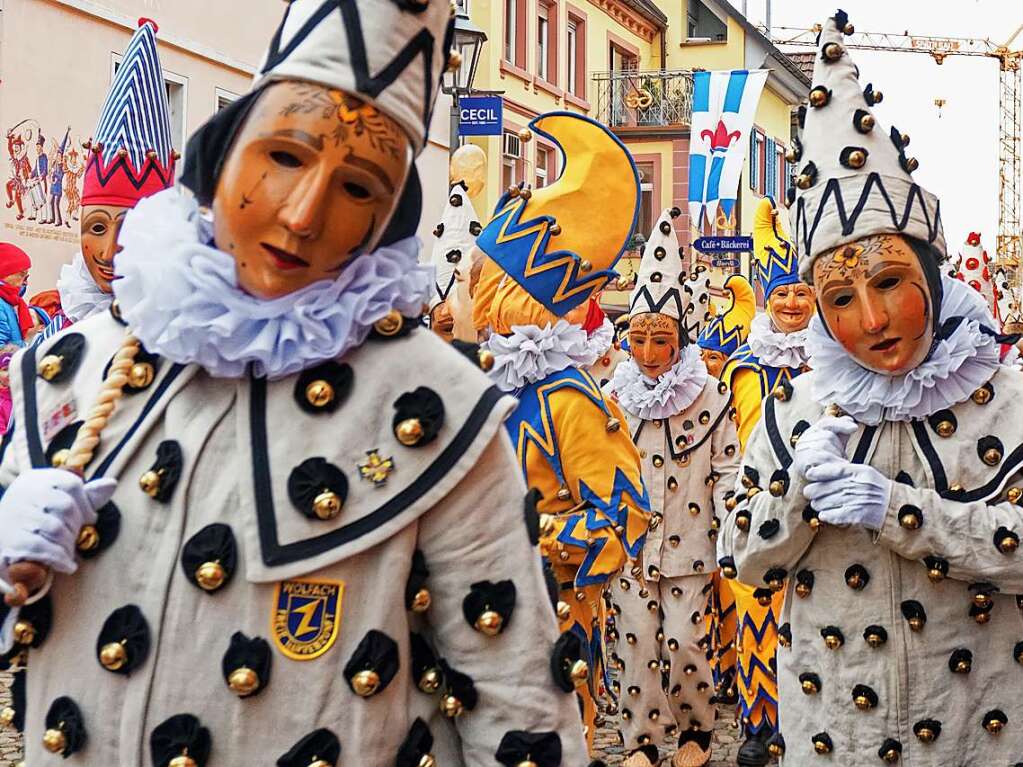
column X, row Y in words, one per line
column 629, row 64
column 57, row 59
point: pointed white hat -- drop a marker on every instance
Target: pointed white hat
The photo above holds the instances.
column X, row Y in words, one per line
column 662, row 275
column 456, row 236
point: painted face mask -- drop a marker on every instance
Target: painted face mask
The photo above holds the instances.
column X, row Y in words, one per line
column 442, row 323
column 791, row 306
column 714, row 361
column 654, row 343
column 101, row 224
column 311, row 181
column 876, row 302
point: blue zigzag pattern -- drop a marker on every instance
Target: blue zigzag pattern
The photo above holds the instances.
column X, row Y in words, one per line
column 768, row 375
column 136, row 115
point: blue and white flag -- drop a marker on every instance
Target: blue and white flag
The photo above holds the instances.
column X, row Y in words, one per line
column 724, row 104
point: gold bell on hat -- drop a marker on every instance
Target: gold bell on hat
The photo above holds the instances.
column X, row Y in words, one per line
column 389, row 324
column 409, row 432
column 327, row 505
column 7, row 717
column 486, row 360
column 421, row 601
column 113, row 656
column 88, row 538
column 427, row 760
column 54, row 740
column 319, row 393
column 243, row 681
column 50, row 366
column 366, row 682
column 24, row 632
column 580, row 672
column 430, row 681
column 141, row 375
column 489, row 622
column 613, row 424
column 150, row 482
column 184, row 760
column 451, row 706
column 564, row 610
column 210, row 575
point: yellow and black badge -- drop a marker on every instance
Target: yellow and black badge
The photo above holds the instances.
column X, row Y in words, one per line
column 307, row 616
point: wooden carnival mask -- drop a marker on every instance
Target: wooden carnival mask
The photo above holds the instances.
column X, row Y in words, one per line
column 791, row 306
column 876, row 302
column 714, row 360
column 655, row 343
column 311, row 180
column 101, row 224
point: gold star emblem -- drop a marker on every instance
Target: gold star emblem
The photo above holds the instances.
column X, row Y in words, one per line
column 377, row 468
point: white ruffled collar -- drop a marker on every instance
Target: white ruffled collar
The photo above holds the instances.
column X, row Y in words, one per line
column 531, row 353
column 669, row 395
column 80, row 296
column 180, row 297
column 774, row 348
column 957, row 366
column 600, row 340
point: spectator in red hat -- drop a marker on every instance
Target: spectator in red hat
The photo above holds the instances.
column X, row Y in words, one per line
column 16, row 323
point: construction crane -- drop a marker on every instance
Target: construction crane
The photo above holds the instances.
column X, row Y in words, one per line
column 1008, row 249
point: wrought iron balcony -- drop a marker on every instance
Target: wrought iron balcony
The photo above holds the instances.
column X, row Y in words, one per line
column 654, row 99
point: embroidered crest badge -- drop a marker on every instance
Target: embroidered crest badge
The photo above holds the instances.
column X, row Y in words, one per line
column 306, row 618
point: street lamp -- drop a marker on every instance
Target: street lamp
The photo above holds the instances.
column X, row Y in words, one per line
column 468, row 43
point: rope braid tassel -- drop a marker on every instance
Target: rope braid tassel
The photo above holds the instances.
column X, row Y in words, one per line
column 87, row 440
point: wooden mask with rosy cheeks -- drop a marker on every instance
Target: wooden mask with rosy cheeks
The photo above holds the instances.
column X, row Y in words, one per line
column 876, row 301
column 311, row 180
column 654, row 343
column 101, row 224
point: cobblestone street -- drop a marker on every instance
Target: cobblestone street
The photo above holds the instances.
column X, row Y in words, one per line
column 726, row 738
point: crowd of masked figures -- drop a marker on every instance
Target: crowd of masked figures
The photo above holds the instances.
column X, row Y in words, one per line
column 265, row 504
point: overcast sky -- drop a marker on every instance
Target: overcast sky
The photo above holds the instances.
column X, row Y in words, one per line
column 958, row 151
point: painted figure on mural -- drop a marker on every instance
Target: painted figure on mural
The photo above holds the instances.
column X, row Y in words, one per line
column 39, row 182
column 20, row 168
column 881, row 491
column 571, row 445
column 57, row 180
column 74, row 169
column 678, row 417
column 295, row 548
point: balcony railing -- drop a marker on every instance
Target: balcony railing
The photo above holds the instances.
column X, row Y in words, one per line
column 654, row 99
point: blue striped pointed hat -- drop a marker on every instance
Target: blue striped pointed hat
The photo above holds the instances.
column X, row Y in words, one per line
column 131, row 152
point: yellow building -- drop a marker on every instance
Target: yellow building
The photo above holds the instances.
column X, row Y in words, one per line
column 629, row 64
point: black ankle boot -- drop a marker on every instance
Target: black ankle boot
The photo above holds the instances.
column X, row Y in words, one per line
column 753, row 753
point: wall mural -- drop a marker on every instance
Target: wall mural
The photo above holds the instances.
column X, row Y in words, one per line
column 43, row 187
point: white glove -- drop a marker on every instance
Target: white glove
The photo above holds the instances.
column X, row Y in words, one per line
column 41, row 514
column 846, row 493
column 824, row 441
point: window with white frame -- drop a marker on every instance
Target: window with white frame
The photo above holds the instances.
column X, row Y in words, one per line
column 645, row 222
column 543, row 158
column 224, row 99
column 511, row 159
column 571, row 51
column 542, row 40
column 510, row 28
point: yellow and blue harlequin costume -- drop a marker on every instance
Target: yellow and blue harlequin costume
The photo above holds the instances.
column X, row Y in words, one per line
column 757, row 613
column 725, row 333
column 545, row 259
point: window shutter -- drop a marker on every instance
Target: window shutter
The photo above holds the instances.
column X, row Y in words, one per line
column 753, row 160
column 771, row 182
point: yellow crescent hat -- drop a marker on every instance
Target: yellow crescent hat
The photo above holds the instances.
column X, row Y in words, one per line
column 728, row 331
column 560, row 242
column 775, row 257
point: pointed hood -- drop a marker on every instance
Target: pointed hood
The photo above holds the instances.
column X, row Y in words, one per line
column 548, row 240
column 974, row 266
column 698, row 313
column 728, row 331
column 775, row 257
column 854, row 177
column 456, row 235
column 661, row 280
column 130, row 154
